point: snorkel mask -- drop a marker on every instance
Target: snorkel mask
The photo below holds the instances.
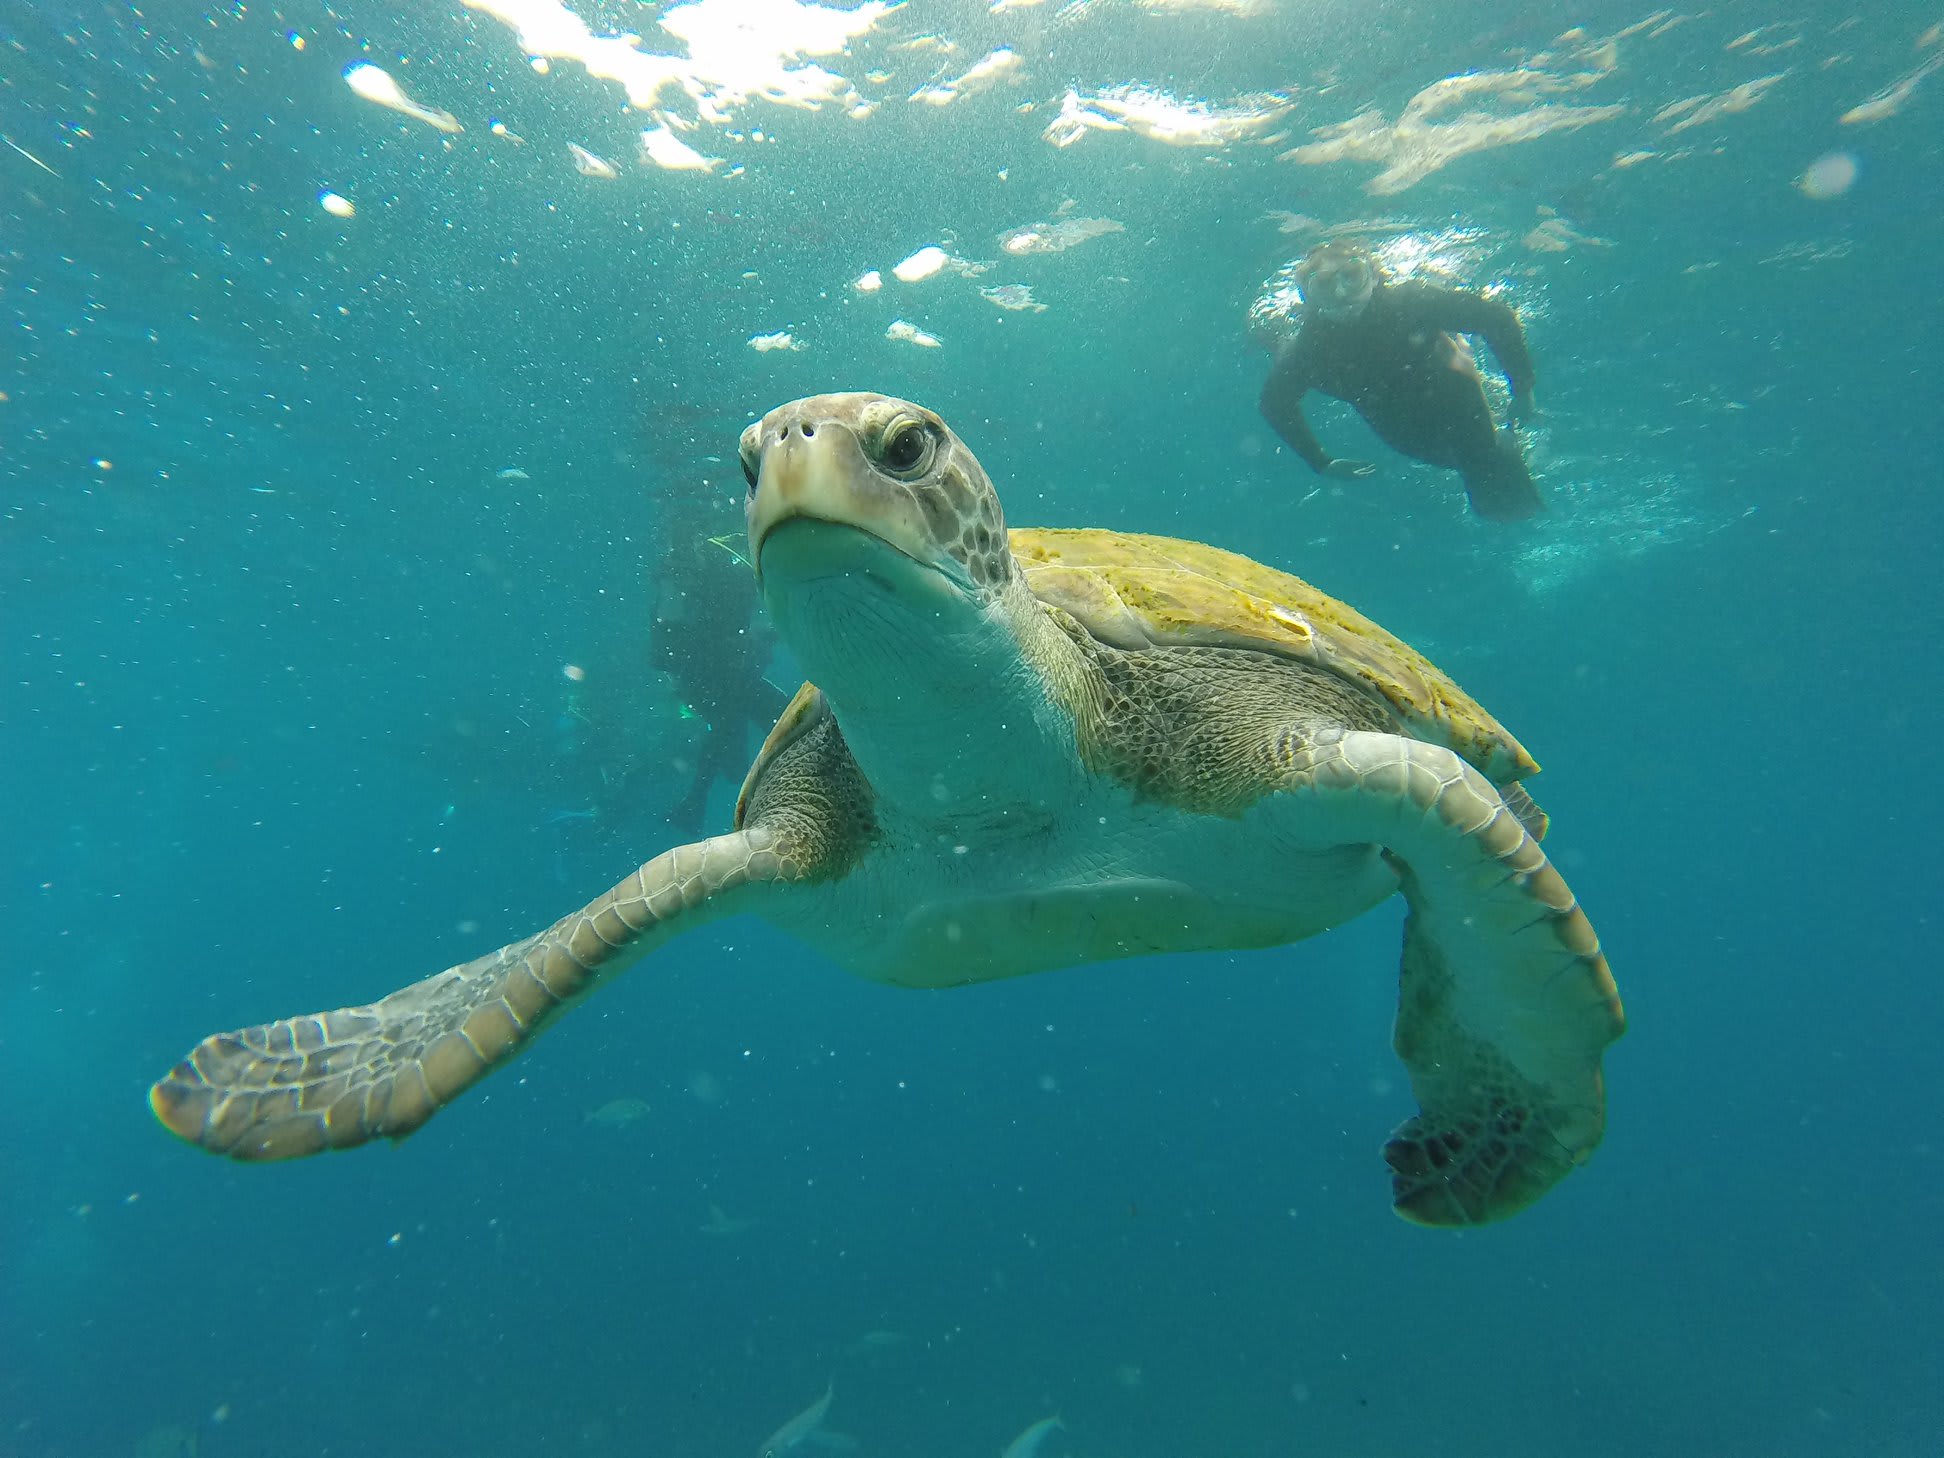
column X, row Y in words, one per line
column 1336, row 281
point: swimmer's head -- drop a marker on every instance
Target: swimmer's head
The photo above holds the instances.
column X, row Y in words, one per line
column 1336, row 280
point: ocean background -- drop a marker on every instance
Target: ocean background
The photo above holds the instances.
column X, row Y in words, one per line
column 305, row 515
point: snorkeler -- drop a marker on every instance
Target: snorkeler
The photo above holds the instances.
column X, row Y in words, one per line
column 1388, row 350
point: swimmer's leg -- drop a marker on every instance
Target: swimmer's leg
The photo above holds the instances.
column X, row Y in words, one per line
column 1500, row 487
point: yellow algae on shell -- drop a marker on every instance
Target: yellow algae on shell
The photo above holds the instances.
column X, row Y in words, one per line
column 1134, row 591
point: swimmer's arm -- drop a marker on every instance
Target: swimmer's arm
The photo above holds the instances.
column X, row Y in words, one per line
column 1282, row 407
column 1458, row 312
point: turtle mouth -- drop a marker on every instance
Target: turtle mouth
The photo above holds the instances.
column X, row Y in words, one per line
column 819, row 534
column 802, row 550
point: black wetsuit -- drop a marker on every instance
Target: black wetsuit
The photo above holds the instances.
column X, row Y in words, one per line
column 1415, row 386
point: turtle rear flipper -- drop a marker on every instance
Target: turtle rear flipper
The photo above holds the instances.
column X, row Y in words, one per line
column 337, row 1079
column 1505, row 1003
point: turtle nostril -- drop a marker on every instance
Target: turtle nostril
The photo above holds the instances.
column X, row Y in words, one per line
column 808, row 431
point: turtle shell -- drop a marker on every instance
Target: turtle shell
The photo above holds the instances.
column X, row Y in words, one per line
column 1133, row 591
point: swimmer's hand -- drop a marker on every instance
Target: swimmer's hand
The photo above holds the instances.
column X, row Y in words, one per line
column 1343, row 470
column 1523, row 409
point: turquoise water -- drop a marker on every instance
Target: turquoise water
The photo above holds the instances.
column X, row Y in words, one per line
column 305, row 515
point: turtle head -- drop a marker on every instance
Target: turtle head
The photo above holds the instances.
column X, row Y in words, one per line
column 878, row 541
column 882, row 558
column 885, row 468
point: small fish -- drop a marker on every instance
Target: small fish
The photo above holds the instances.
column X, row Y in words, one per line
column 170, row 1441
column 617, row 1113
column 562, row 817
column 1027, row 1444
column 799, row 1429
column 721, row 1224
column 876, row 1341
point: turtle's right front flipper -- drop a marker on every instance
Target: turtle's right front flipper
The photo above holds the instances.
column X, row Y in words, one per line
column 335, row 1079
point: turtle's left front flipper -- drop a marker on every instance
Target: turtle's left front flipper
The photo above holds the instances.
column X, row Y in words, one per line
column 1505, row 1003
column 336, row 1079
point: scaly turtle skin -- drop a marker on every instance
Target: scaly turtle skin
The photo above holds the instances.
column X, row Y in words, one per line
column 1028, row 750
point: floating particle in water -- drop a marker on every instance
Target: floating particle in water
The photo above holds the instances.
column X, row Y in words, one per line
column 781, row 339
column 1555, row 235
column 869, row 282
column 1017, row 297
column 1056, row 237
column 1288, row 222
column 982, row 77
column 337, row 206
column 573, row 672
column 922, row 264
column 660, row 147
column 1889, row 101
column 1829, row 176
column 589, row 165
column 376, row 84
column 911, row 334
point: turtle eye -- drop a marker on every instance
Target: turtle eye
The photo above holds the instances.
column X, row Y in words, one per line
column 907, row 449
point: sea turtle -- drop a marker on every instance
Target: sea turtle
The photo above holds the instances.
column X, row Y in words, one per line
column 1032, row 749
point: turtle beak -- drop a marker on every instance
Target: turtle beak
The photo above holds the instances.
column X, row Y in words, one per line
column 796, row 480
